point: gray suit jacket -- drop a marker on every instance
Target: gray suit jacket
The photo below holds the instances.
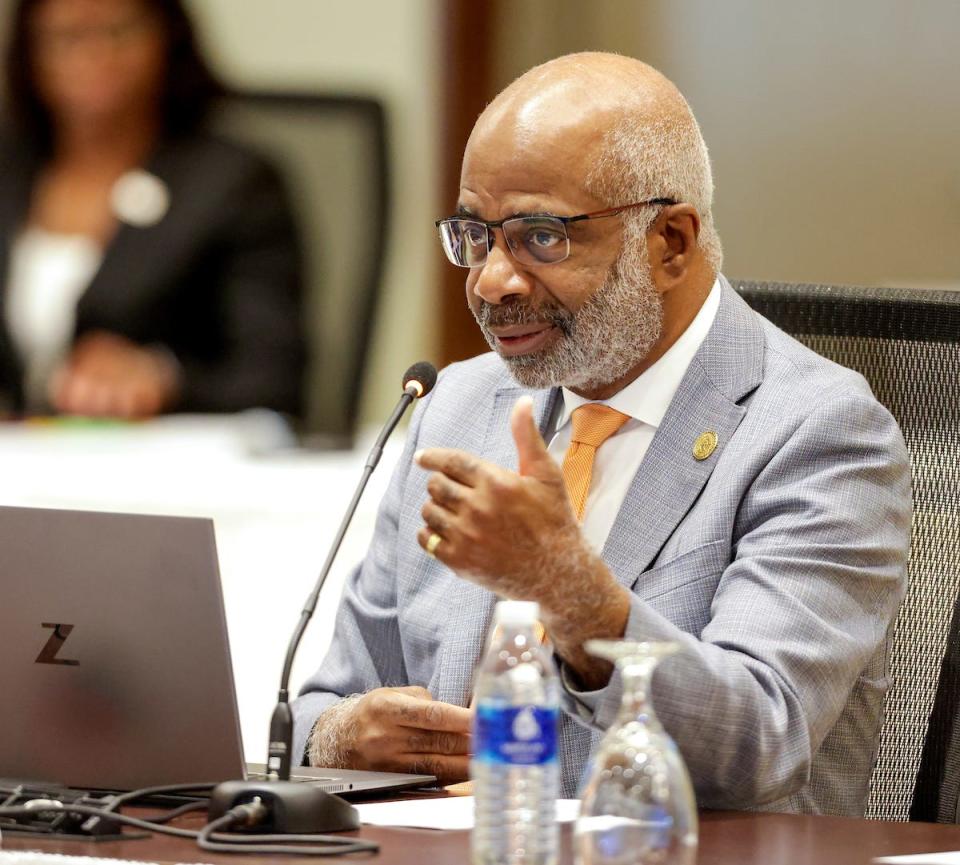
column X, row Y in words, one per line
column 778, row 563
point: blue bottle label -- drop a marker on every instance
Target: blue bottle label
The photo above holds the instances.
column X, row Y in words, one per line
column 515, row 735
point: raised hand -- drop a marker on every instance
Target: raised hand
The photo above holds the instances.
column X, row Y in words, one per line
column 516, row 534
column 498, row 527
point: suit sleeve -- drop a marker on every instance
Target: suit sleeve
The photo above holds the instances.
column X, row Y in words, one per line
column 816, row 577
column 366, row 651
column 258, row 285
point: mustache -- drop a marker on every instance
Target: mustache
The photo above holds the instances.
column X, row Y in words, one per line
column 521, row 312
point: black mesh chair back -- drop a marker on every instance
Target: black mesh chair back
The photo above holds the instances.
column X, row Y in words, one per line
column 936, row 796
column 906, row 343
column 332, row 153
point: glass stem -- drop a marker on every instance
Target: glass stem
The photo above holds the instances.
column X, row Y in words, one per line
column 635, row 704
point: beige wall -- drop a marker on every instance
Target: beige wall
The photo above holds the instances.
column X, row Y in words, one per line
column 379, row 47
column 834, row 127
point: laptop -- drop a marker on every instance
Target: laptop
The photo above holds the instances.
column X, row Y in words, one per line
column 115, row 669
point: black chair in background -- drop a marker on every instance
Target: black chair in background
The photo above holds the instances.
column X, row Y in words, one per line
column 906, row 343
column 332, row 152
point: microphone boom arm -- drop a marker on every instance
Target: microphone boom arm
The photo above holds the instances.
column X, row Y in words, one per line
column 281, row 724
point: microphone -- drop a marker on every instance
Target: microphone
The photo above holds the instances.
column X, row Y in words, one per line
column 303, row 808
column 418, row 381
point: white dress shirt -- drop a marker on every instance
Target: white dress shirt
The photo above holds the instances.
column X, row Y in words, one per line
column 645, row 400
column 48, row 274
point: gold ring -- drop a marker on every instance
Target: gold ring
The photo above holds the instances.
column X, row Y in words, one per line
column 432, row 543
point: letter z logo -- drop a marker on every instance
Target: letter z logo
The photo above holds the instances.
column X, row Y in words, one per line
column 48, row 654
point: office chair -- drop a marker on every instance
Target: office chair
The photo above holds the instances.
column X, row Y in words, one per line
column 332, row 153
column 936, row 797
column 906, row 343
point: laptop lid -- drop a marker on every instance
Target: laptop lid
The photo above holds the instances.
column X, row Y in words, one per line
column 115, row 668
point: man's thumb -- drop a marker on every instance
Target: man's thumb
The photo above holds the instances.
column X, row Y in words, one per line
column 534, row 459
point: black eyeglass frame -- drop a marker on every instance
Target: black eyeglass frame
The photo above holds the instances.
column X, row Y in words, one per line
column 564, row 220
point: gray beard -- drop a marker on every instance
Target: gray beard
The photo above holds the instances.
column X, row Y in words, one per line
column 599, row 343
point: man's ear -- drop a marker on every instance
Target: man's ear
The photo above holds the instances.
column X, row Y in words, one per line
column 672, row 243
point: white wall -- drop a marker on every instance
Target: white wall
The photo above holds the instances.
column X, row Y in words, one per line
column 382, row 48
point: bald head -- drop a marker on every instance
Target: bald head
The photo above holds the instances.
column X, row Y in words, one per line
column 590, row 89
column 619, row 124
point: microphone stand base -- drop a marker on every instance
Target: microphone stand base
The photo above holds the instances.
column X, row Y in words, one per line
column 294, row 808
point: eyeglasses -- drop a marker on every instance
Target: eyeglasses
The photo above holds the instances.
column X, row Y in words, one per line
column 539, row 239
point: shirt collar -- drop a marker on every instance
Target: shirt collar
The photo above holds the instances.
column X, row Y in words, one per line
column 649, row 395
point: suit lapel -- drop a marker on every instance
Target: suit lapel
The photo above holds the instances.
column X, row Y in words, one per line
column 472, row 608
column 137, row 259
column 670, row 478
column 727, row 367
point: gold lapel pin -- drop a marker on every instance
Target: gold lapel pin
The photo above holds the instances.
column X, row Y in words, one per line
column 705, row 445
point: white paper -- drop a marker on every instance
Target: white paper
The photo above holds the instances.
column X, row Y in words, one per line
column 30, row 857
column 948, row 858
column 454, row 812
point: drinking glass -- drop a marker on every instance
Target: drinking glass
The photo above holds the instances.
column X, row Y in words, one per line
column 638, row 805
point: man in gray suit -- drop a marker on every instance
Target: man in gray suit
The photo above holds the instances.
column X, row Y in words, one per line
column 752, row 500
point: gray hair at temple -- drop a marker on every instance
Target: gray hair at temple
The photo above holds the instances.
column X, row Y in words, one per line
column 659, row 156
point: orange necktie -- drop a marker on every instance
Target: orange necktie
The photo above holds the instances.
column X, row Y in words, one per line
column 593, row 424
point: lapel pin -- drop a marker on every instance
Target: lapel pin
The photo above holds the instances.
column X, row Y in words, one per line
column 705, row 445
column 140, row 198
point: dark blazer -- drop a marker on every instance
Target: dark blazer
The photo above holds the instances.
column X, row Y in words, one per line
column 217, row 280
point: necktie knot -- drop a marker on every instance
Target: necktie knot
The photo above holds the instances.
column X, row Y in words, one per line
column 594, row 423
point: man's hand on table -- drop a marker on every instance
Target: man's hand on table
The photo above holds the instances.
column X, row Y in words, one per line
column 516, row 534
column 395, row 730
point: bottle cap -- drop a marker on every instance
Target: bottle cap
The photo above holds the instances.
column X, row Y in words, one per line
column 516, row 613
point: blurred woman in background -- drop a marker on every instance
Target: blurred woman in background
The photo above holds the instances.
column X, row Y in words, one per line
column 145, row 264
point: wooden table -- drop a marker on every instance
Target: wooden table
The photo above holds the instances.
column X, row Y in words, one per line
column 729, row 837
column 726, row 838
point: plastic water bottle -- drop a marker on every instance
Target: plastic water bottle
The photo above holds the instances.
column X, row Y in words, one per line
column 515, row 767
